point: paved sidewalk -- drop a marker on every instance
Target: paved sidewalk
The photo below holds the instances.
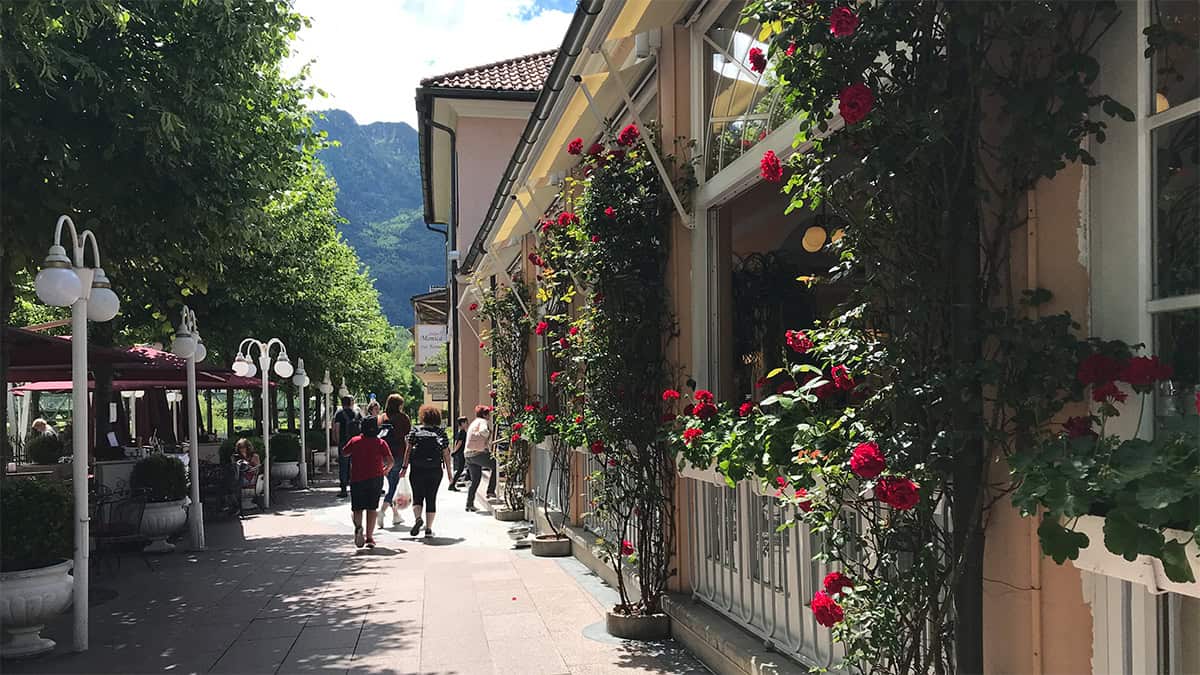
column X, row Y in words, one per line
column 287, row 592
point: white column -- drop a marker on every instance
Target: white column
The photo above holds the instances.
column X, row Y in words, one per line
column 303, row 442
column 79, row 462
column 196, row 510
column 264, row 365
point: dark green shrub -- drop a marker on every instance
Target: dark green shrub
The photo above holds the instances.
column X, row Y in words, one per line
column 161, row 477
column 285, row 447
column 44, row 449
column 315, row 439
column 37, row 524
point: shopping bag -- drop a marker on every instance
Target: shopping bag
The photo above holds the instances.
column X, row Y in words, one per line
column 403, row 497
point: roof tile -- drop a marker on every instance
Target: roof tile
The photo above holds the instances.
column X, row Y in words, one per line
column 523, row 73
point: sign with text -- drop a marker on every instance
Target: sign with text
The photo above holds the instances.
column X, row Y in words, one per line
column 429, row 337
column 438, row 391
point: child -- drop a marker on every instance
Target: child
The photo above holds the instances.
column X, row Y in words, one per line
column 370, row 460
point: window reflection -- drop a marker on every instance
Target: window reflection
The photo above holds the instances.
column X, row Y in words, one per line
column 1177, row 208
column 1177, row 335
column 1175, row 31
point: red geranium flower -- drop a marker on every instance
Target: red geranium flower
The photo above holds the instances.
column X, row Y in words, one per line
column 867, row 461
column 781, row 481
column 562, row 343
column 705, row 396
column 541, row 328
column 1098, row 369
column 579, row 419
column 546, row 225
column 1143, row 371
column 610, row 212
column 1079, row 427
column 626, row 547
column 841, row 378
column 566, row 218
column 1108, row 392
column 804, row 505
column 705, row 411
column 745, row 409
column 555, row 375
column 770, row 168
column 690, row 435
column 758, row 60
column 670, row 395
column 574, row 330
column 836, row 582
column 791, row 49
column 854, row 102
column 628, row 135
column 536, row 259
column 530, row 407
column 899, row 493
column 597, row 446
column 842, row 22
column 595, row 149
column 595, row 239
column 575, row 147
column 551, row 418
column 515, row 437
column 517, row 426
column 827, row 612
column 474, row 306
column 481, row 345
column 798, row 341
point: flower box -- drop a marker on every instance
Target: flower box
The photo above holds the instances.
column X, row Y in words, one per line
column 708, row 475
column 1146, row 570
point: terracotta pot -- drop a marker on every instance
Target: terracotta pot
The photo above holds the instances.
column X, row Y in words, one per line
column 509, row 516
column 28, row 599
column 652, row 627
column 161, row 520
column 551, row 546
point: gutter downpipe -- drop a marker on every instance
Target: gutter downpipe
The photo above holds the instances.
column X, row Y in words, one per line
column 572, row 46
column 450, row 234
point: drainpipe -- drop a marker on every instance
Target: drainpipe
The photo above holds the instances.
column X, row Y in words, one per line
column 451, row 236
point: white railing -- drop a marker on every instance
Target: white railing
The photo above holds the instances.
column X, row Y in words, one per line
column 761, row 576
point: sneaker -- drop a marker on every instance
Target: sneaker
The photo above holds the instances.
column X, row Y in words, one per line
column 342, row 494
column 492, row 496
column 359, row 539
column 428, row 533
column 471, row 508
column 370, row 542
column 453, row 488
column 416, row 528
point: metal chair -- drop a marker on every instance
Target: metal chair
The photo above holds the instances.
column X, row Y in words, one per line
column 118, row 522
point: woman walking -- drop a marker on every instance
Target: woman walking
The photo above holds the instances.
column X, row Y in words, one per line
column 370, row 461
column 428, row 455
column 478, row 455
column 394, row 427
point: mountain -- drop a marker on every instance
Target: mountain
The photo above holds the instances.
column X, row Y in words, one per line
column 379, row 193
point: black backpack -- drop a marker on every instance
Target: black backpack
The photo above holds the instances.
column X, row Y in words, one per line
column 353, row 422
column 427, row 446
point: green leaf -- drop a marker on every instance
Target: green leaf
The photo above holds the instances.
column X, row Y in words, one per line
column 1058, row 542
column 774, row 372
column 1175, row 563
column 1127, row 538
column 1159, row 496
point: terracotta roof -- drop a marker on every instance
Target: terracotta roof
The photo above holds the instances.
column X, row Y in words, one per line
column 523, row 73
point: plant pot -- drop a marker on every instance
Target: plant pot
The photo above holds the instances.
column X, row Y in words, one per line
column 651, row 627
column 551, row 546
column 285, row 471
column 509, row 516
column 161, row 520
column 1192, row 552
column 28, row 599
column 319, row 460
column 1099, row 560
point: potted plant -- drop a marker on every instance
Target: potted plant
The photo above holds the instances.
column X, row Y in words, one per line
column 562, row 432
column 35, row 547
column 44, row 449
column 285, row 457
column 165, row 486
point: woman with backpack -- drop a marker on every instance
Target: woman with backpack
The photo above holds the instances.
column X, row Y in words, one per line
column 428, row 455
column 394, row 427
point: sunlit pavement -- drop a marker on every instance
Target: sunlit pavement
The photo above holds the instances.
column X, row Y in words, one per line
column 287, row 592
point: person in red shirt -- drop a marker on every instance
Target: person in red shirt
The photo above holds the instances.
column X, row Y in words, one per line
column 370, row 460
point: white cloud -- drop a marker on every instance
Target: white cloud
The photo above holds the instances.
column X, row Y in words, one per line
column 370, row 55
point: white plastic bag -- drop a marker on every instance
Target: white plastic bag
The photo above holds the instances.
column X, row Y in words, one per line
column 403, row 497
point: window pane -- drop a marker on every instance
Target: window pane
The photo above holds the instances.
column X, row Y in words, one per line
column 1175, row 30
column 1177, row 335
column 1177, row 208
column 1180, row 653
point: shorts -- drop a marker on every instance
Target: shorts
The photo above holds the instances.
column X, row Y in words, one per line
column 364, row 495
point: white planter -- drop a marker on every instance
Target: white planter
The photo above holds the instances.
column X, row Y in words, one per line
column 28, row 599
column 1146, row 570
column 289, row 471
column 709, row 475
column 319, row 460
column 161, row 520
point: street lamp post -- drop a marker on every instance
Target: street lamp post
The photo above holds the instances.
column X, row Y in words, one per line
column 326, row 390
column 64, row 282
column 190, row 346
column 300, row 379
column 242, row 365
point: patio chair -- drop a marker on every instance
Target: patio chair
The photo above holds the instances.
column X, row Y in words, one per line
column 118, row 523
column 253, row 486
column 219, row 489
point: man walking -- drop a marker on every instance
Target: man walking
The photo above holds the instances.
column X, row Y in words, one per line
column 372, row 460
column 456, row 454
column 348, row 424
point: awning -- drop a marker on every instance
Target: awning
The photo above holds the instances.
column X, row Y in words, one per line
column 211, row 380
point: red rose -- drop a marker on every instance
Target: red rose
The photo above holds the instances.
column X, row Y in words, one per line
column 536, row 259
column 597, row 447
column 474, row 306
column 595, row 239
column 515, row 438
column 517, row 426
column 628, row 135
column 626, row 547
column 758, row 60
column 854, row 102
column 791, row 50
column 562, row 343
column 804, row 505
column 841, row 378
column 705, row 411
column 492, row 394
column 612, row 461
column 541, row 328
column 610, row 212
column 842, row 22
column 481, row 345
column 798, row 341
column 546, row 225
column 899, row 493
column 574, row 330
column 1108, row 392
column 690, row 435
column 705, row 396
column 1098, row 369
column 579, row 419
column 1143, row 371
column 575, row 147
column 836, row 582
column 566, row 218
column 745, row 409
column 827, row 612
column 781, row 481
column 770, row 168
column 670, row 395
column 530, row 408
column 867, row 461
column 551, row 418
column 595, row 149
column 555, row 375
column 1078, row 427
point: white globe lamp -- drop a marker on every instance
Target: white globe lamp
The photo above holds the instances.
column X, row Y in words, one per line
column 201, row 351
column 57, row 284
column 283, row 367
column 103, row 304
column 184, row 345
column 241, row 366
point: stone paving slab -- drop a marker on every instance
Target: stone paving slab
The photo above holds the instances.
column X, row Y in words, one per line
column 287, row 592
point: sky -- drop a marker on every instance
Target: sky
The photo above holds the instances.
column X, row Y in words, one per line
column 370, row 55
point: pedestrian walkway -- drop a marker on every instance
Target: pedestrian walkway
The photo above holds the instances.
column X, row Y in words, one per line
column 287, row 592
